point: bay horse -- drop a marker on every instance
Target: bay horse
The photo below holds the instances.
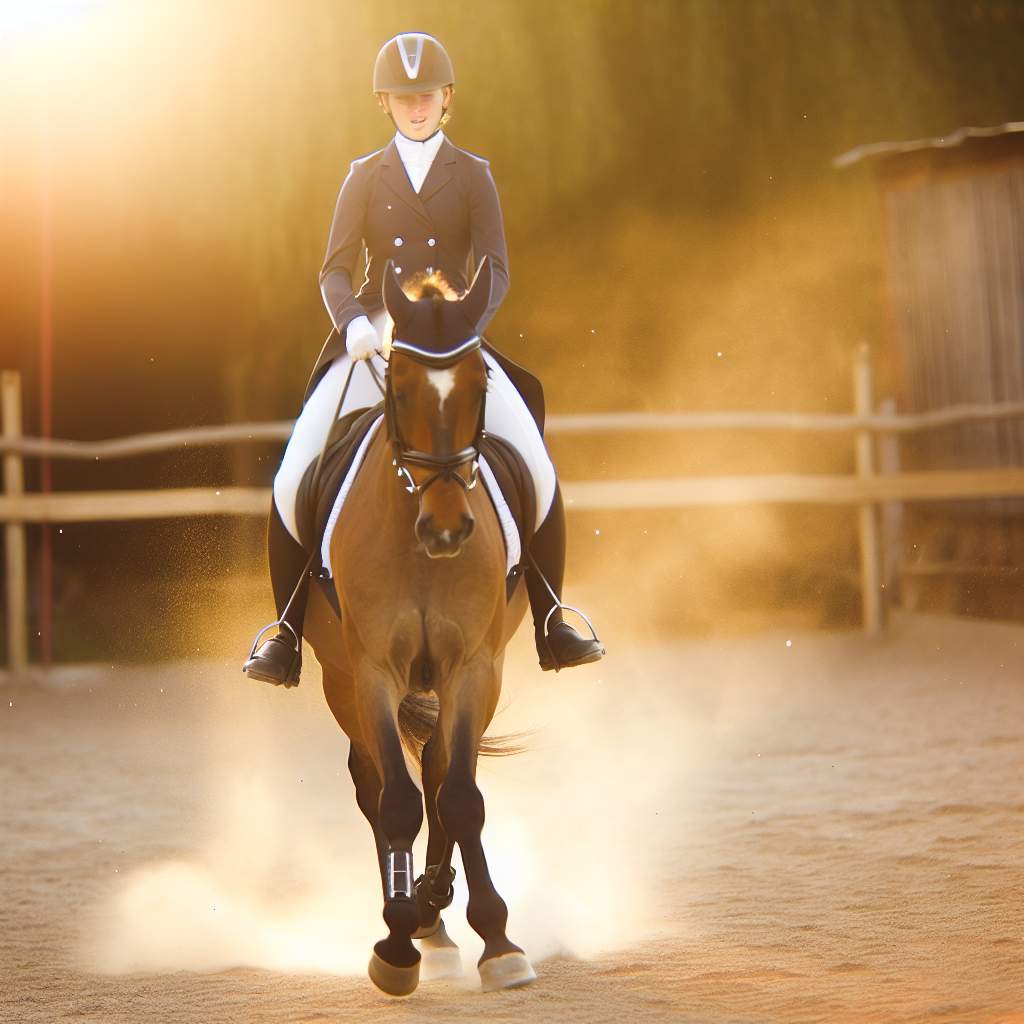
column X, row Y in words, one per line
column 419, row 569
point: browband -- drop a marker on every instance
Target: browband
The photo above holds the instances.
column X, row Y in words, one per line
column 439, row 359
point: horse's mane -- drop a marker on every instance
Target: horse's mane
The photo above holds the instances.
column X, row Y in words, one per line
column 429, row 286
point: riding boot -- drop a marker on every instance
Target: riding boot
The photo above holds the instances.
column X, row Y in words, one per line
column 562, row 647
column 279, row 659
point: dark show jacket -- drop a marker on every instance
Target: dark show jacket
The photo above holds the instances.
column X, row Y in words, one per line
column 452, row 222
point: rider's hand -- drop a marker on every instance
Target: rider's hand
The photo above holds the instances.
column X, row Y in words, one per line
column 361, row 339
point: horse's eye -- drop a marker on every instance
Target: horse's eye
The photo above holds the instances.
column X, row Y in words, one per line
column 400, row 397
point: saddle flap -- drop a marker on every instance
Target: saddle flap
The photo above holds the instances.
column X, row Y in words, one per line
column 314, row 499
column 516, row 485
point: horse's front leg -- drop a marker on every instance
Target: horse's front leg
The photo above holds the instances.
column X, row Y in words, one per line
column 466, row 710
column 338, row 690
column 434, row 892
column 395, row 964
column 367, row 783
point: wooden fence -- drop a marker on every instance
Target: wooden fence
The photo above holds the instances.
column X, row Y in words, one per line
column 866, row 490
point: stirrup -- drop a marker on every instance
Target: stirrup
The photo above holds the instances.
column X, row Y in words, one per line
column 279, row 623
column 557, row 665
column 557, row 607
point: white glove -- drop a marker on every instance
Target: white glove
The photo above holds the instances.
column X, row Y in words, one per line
column 361, row 339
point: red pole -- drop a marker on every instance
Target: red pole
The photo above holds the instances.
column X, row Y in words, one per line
column 45, row 385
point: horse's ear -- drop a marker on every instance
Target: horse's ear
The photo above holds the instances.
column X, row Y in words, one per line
column 396, row 302
column 475, row 302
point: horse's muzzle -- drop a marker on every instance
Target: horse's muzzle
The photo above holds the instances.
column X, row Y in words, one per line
column 443, row 543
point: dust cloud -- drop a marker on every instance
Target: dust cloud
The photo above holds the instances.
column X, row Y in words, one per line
column 224, row 907
column 284, row 878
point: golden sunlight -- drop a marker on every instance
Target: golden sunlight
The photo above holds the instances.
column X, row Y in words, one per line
column 24, row 17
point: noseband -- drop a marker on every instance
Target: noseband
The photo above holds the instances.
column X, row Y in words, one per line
column 444, row 466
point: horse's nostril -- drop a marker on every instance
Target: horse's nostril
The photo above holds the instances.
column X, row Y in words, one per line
column 444, row 543
column 423, row 528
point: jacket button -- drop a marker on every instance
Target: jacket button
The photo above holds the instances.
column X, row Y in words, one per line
column 398, row 241
column 389, row 206
column 431, row 241
column 398, row 270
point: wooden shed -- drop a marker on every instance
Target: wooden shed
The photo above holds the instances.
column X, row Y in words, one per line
column 953, row 255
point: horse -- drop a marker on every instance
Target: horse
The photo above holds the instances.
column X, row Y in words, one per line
column 419, row 571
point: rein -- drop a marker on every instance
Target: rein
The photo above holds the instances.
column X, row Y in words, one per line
column 445, row 466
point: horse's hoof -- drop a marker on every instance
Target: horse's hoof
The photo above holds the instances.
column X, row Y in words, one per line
column 395, row 981
column 441, row 957
column 510, row 970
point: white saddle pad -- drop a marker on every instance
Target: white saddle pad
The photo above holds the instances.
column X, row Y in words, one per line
column 513, row 547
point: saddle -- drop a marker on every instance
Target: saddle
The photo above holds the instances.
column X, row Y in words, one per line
column 315, row 500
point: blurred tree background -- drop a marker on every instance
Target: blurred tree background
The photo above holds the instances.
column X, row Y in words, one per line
column 678, row 238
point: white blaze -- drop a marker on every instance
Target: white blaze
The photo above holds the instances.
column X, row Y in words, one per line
column 443, row 382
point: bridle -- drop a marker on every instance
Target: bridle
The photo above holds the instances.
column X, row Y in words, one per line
column 445, row 466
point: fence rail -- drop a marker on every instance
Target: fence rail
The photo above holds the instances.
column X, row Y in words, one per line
column 580, row 495
column 866, row 489
column 579, row 423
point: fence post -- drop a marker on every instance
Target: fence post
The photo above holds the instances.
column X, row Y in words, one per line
column 867, row 525
column 887, row 448
column 14, row 533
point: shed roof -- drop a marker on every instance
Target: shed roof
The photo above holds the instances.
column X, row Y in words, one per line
column 950, row 141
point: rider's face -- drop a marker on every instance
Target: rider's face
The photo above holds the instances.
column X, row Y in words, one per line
column 418, row 114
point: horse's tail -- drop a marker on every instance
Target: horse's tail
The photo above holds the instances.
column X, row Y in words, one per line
column 417, row 716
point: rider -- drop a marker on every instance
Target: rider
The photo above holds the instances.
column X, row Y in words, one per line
column 425, row 204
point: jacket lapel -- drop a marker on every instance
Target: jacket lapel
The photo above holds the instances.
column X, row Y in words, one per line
column 441, row 170
column 392, row 173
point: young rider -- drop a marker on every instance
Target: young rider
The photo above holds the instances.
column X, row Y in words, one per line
column 425, row 204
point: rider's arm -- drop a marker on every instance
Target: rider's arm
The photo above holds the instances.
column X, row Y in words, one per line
column 344, row 248
column 487, row 235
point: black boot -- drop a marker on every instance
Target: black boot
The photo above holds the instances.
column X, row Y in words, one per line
column 562, row 647
column 279, row 659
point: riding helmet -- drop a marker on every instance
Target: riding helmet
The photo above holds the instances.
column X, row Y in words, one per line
column 412, row 62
